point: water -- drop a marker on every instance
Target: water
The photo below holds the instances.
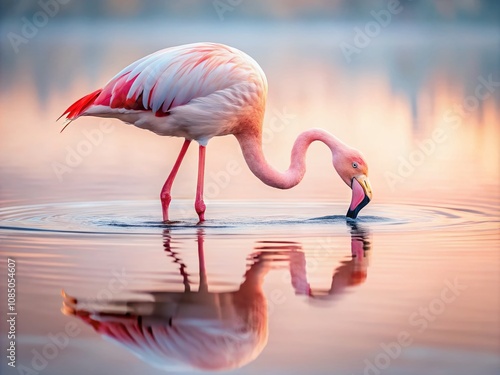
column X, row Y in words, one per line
column 274, row 281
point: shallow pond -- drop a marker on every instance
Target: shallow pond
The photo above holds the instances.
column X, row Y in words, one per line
column 275, row 282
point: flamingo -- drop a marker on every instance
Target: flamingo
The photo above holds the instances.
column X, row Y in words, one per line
column 190, row 329
column 203, row 90
column 205, row 330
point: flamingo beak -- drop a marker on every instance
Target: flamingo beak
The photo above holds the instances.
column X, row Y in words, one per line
column 361, row 195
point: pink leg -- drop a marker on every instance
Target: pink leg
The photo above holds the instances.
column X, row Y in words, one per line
column 199, row 205
column 298, row 273
column 167, row 187
column 201, row 259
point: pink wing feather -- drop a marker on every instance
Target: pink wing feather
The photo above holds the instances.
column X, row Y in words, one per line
column 167, row 79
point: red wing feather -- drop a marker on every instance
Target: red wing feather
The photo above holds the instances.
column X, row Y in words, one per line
column 78, row 107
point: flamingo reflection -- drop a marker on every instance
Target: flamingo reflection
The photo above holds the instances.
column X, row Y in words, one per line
column 350, row 273
column 207, row 330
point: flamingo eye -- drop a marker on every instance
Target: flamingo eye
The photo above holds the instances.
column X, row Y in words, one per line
column 354, row 164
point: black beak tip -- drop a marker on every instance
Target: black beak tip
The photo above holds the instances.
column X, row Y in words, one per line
column 353, row 214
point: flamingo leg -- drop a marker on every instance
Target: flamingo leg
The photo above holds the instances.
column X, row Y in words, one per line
column 171, row 253
column 199, row 205
column 165, row 195
column 201, row 259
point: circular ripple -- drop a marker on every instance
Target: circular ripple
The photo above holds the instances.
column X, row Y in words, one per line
column 142, row 217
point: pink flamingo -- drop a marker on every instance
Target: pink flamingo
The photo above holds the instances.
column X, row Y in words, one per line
column 206, row 330
column 203, row 90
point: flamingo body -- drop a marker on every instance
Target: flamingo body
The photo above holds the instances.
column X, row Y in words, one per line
column 195, row 91
column 203, row 90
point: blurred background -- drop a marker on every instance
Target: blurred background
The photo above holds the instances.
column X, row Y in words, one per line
column 414, row 85
column 423, row 11
column 384, row 76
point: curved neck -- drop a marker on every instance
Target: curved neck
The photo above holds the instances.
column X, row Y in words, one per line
column 251, row 146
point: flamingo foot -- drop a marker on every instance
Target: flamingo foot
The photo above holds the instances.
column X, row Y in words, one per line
column 200, row 208
column 165, row 198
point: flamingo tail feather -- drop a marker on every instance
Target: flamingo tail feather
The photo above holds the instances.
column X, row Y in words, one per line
column 77, row 108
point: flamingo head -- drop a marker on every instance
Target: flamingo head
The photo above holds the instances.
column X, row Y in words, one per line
column 352, row 168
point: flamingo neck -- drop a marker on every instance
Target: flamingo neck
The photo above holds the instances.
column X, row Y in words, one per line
column 251, row 146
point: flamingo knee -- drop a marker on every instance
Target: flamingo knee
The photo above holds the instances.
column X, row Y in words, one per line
column 165, row 196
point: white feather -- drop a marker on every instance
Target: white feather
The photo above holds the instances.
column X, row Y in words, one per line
column 205, row 87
